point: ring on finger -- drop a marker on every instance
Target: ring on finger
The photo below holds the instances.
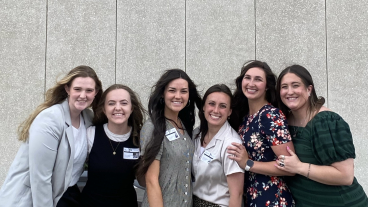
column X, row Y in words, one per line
column 283, row 157
column 282, row 164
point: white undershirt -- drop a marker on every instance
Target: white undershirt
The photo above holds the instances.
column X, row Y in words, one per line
column 80, row 151
column 114, row 137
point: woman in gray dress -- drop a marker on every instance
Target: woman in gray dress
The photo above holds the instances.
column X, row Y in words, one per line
column 166, row 145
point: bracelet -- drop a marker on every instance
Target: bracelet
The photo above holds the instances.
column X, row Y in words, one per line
column 308, row 170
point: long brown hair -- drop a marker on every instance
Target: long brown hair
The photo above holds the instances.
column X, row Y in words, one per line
column 241, row 106
column 314, row 102
column 57, row 94
column 156, row 107
column 136, row 117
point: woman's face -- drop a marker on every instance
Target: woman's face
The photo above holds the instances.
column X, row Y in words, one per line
column 254, row 84
column 81, row 93
column 217, row 109
column 293, row 93
column 118, row 107
column 176, row 96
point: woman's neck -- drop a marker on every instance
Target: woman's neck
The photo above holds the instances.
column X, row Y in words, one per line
column 172, row 115
column 256, row 105
column 118, row 128
column 301, row 116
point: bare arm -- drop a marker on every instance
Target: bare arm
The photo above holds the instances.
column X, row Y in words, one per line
column 339, row 173
column 265, row 168
column 153, row 188
column 235, row 182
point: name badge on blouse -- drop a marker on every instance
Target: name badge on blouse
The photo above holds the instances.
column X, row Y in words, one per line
column 131, row 153
column 207, row 156
column 172, row 134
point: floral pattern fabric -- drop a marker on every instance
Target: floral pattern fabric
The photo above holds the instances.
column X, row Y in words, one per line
column 268, row 127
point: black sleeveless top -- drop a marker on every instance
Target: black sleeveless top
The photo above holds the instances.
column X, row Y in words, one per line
column 110, row 177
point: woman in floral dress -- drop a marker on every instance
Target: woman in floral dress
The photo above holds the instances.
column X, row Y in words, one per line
column 265, row 135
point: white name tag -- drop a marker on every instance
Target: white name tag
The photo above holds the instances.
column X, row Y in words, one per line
column 131, row 153
column 207, row 156
column 172, row 134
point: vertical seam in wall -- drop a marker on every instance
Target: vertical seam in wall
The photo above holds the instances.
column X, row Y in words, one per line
column 326, row 52
column 185, row 36
column 255, row 29
column 116, row 33
column 44, row 84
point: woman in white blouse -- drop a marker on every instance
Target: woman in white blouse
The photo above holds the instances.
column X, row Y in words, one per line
column 218, row 180
column 113, row 145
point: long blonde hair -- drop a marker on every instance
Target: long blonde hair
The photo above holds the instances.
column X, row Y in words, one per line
column 57, row 94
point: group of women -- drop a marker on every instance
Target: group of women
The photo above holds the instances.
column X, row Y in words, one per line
column 244, row 150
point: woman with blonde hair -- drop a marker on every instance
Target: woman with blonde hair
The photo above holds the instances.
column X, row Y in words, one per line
column 50, row 161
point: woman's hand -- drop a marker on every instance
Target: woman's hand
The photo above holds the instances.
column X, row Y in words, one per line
column 238, row 153
column 290, row 164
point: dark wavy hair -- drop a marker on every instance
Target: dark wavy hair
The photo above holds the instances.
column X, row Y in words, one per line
column 135, row 119
column 203, row 129
column 314, row 102
column 241, row 107
column 156, row 106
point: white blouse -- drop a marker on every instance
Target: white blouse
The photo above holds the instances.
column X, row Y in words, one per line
column 211, row 165
column 80, row 151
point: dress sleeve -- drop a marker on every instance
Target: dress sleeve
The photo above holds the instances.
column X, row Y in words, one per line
column 274, row 127
column 146, row 136
column 331, row 139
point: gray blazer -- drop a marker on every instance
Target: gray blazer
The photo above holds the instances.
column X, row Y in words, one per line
column 41, row 171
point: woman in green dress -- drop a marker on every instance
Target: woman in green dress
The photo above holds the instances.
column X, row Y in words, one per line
column 324, row 159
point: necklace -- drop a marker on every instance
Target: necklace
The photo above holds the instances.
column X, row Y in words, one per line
column 114, row 150
column 175, row 124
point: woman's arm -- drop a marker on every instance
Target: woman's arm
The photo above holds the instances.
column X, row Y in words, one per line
column 240, row 155
column 339, row 173
column 153, row 188
column 235, row 182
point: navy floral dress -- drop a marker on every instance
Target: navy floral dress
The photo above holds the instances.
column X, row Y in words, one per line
column 268, row 127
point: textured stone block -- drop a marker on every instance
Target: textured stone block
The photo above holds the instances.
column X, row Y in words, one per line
column 150, row 39
column 293, row 32
column 347, row 60
column 81, row 33
column 220, row 37
column 22, row 52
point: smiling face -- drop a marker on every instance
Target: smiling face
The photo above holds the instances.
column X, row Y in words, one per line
column 254, row 84
column 294, row 94
column 81, row 94
column 176, row 96
column 217, row 109
column 118, row 107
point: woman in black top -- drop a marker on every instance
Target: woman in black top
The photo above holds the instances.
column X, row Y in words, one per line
column 114, row 149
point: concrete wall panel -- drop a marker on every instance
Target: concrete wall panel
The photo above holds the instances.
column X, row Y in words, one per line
column 293, row 32
column 22, row 76
column 81, row 33
column 220, row 37
column 150, row 39
column 347, row 60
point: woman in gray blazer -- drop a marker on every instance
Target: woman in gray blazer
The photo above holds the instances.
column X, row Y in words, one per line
column 48, row 164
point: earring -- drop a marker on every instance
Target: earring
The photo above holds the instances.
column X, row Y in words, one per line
column 188, row 104
column 228, row 117
column 308, row 94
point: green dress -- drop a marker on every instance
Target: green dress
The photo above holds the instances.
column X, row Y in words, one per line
column 326, row 139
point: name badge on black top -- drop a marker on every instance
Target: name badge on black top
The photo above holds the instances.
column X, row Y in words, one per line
column 131, row 153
